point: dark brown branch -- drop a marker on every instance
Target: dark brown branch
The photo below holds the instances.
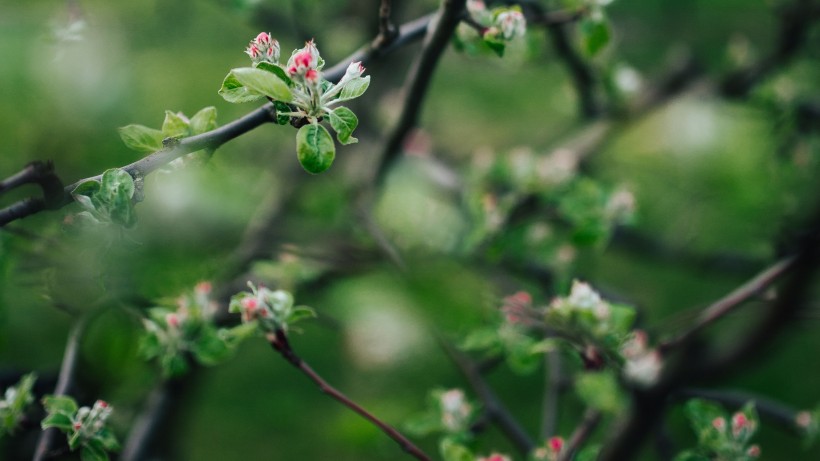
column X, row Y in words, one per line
column 418, row 81
column 494, row 408
column 65, row 386
column 387, row 30
column 279, row 342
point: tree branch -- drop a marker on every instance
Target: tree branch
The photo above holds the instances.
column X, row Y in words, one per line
column 418, row 81
column 580, row 435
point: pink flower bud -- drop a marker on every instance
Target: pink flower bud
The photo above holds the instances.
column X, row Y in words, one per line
column 253, row 52
column 555, row 444
column 77, row 426
column 302, row 60
column 101, row 404
column 719, row 423
column 355, row 69
column 250, row 304
column 312, row 75
column 753, row 451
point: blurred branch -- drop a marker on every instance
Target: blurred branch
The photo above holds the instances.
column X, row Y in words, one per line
column 279, row 342
column 698, row 364
column 387, row 30
column 795, row 22
column 580, row 435
column 418, row 81
column 553, row 387
column 493, row 407
column 731, row 301
column 65, row 385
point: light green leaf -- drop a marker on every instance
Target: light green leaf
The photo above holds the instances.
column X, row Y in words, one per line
column 300, row 313
column 141, row 138
column 354, row 88
column 234, row 91
column 175, row 125
column 209, row 348
column 453, row 451
column 263, row 82
column 276, row 70
column 59, row 404
column 344, row 121
column 203, row 121
column 315, row 148
column 600, row 391
column 117, row 181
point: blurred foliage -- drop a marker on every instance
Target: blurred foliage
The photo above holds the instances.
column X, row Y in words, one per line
column 708, row 177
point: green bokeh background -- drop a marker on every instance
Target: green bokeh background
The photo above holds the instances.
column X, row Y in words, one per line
column 710, row 177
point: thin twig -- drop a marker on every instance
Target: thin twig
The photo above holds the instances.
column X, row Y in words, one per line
column 279, row 342
column 65, row 385
column 728, row 303
column 581, row 433
column 552, row 392
column 495, row 409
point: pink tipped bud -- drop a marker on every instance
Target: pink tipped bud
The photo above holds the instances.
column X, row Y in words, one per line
column 172, row 320
column 101, row 403
column 753, row 451
column 740, row 423
column 555, row 444
column 203, row 288
column 254, row 52
column 263, row 39
column 250, row 304
column 312, row 75
column 302, row 60
column 77, row 426
column 719, row 423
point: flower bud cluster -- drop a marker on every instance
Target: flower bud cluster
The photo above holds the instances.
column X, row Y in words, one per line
column 263, row 48
column 455, row 410
column 499, row 24
column 495, row 457
column 551, row 450
column 272, row 309
column 89, row 421
column 582, row 298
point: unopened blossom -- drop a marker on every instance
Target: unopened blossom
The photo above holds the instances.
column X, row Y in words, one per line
column 719, row 423
column 803, row 419
column 455, row 410
column 551, row 449
column 753, row 451
column 495, row 457
column 511, row 23
column 303, row 59
column 741, row 425
column 263, row 48
column 583, row 296
column 645, row 369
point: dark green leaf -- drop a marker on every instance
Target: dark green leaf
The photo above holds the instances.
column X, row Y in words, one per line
column 107, row 440
column 210, row 348
column 315, row 148
column 281, row 108
column 344, row 121
column 594, row 35
column 93, row 452
column 141, row 138
column 299, row 313
column 61, row 421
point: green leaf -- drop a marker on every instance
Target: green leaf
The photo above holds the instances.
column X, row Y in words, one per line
column 234, row 91
column 262, row 82
column 93, row 452
column 300, row 313
column 344, row 121
column 209, row 348
column 203, row 121
column 594, row 35
column 107, row 440
column 423, row 424
column 276, row 70
column 453, row 451
column 315, row 148
column 175, row 125
column 173, row 364
column 600, row 391
column 354, row 88
column 589, row 453
column 60, row 404
column 141, row 138
column 61, row 421
column 691, row 456
column 496, row 45
column 280, row 108
column 115, row 182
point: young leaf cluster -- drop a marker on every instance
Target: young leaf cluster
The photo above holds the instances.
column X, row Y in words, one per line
column 109, row 200
column 175, row 335
column 490, row 29
column 86, row 428
column 721, row 437
column 175, row 126
column 301, row 97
